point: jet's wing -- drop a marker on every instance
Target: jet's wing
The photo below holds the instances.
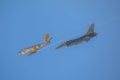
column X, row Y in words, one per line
column 75, row 42
column 31, row 53
column 91, row 29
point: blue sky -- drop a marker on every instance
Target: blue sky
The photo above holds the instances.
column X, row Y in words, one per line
column 24, row 23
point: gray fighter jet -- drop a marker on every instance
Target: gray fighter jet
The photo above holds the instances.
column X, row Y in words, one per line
column 90, row 33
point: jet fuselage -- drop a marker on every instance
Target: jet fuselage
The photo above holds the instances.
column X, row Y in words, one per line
column 86, row 37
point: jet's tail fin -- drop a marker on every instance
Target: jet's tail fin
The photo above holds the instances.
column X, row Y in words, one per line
column 47, row 37
column 91, row 29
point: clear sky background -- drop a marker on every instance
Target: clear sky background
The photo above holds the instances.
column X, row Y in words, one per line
column 24, row 23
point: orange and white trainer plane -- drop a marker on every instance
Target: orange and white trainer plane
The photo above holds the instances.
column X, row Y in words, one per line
column 35, row 48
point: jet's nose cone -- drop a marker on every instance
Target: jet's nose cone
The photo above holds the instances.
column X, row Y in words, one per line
column 62, row 45
column 19, row 54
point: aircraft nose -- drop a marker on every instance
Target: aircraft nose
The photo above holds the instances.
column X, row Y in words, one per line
column 20, row 54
